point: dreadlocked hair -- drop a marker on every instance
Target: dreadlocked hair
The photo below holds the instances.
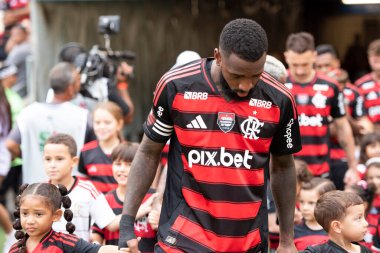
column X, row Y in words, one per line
column 55, row 197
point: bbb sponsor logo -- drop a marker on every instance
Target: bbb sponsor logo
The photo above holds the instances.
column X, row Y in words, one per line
column 195, row 95
column 260, row 103
column 288, row 135
column 314, row 121
column 226, row 159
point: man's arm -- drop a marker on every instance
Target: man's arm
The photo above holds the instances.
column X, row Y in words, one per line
column 11, row 17
column 364, row 126
column 283, row 185
column 154, row 215
column 346, row 141
column 142, row 173
column 13, row 142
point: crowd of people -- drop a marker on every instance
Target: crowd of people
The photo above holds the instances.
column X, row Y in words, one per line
column 239, row 154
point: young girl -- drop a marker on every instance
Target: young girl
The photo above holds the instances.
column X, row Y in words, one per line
column 95, row 158
column 310, row 232
column 38, row 206
column 372, row 176
column 369, row 148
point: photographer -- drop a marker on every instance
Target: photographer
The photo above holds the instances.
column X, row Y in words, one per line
column 117, row 83
column 123, row 72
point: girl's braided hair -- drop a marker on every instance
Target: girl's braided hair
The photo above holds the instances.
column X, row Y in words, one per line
column 55, row 197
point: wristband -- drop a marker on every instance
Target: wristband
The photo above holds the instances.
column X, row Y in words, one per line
column 127, row 230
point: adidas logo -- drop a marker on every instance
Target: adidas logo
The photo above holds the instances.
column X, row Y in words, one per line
column 197, row 123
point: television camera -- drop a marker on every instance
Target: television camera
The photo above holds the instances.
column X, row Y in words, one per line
column 99, row 66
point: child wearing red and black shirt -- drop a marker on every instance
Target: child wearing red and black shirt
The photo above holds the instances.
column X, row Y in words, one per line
column 122, row 157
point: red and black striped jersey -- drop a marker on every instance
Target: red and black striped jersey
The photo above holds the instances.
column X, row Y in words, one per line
column 215, row 198
column 98, row 166
column 370, row 89
column 354, row 103
column 304, row 236
column 376, row 238
column 54, row 242
column 164, row 155
column 316, row 102
column 372, row 218
column 142, row 226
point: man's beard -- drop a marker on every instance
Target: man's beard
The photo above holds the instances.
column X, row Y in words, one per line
column 227, row 91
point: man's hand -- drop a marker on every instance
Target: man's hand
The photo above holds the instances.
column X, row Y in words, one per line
column 351, row 177
column 127, row 235
column 146, row 207
column 9, row 18
column 133, row 245
column 365, row 126
column 154, row 218
column 286, row 248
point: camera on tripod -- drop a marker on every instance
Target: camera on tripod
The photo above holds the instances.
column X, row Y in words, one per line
column 99, row 67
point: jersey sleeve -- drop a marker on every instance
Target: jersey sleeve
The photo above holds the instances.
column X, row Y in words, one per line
column 101, row 212
column 97, row 230
column 287, row 139
column 15, row 135
column 83, row 246
column 159, row 125
column 337, row 103
column 310, row 250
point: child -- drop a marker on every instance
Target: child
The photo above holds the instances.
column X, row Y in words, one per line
column 122, row 157
column 369, row 148
column 372, row 176
column 38, row 207
column 341, row 214
column 95, row 161
column 87, row 203
column 367, row 193
column 310, row 232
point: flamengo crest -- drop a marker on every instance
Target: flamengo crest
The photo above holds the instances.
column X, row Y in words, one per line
column 251, row 127
column 226, row 121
